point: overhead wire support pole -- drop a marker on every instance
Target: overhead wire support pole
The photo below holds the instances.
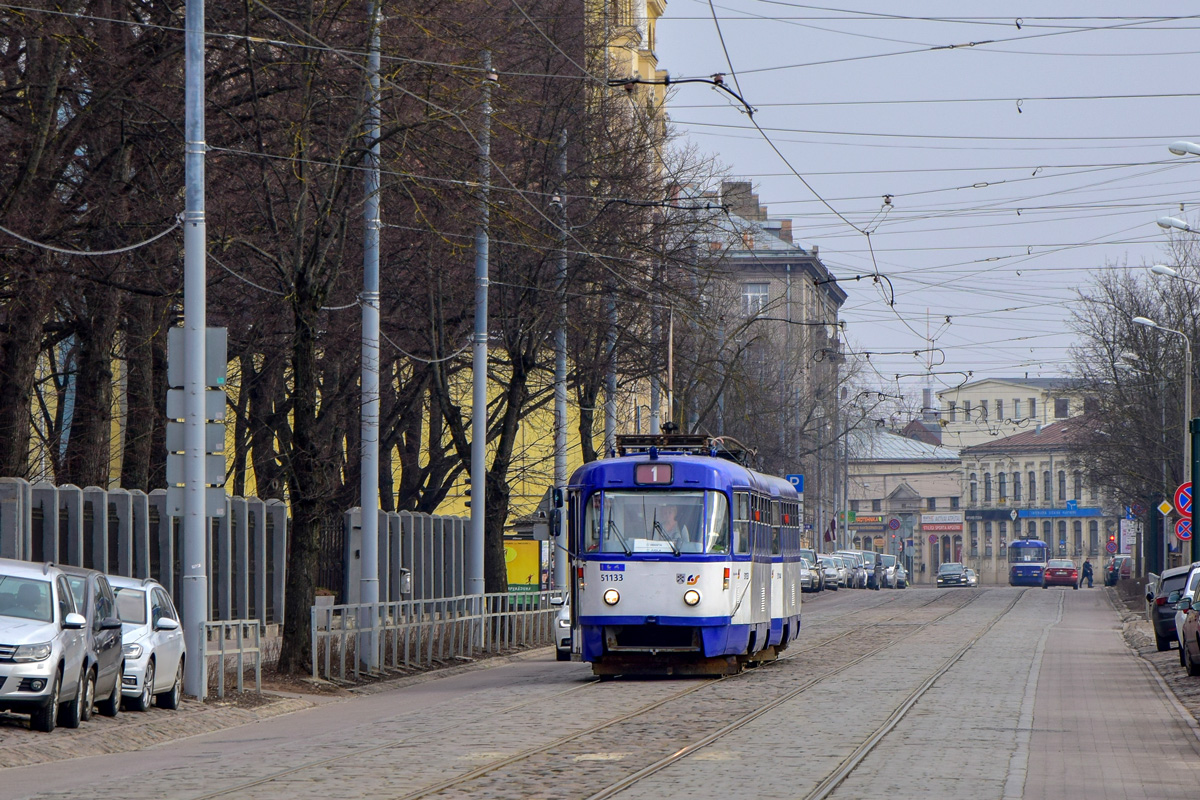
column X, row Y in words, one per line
column 195, row 302
column 479, row 355
column 560, row 361
column 369, row 479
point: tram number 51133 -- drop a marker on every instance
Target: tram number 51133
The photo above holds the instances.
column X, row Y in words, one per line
column 611, row 576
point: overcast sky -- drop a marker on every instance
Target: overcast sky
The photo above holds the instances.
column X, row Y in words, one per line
column 1017, row 167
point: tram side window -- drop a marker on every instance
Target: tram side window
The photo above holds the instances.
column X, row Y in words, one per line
column 591, row 524
column 717, row 525
column 741, row 523
column 775, row 519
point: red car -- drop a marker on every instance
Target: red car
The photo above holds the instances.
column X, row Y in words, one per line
column 1060, row 572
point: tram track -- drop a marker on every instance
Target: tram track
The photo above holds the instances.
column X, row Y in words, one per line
column 805, row 648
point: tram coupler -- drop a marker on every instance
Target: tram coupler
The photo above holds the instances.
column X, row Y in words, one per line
column 652, row 665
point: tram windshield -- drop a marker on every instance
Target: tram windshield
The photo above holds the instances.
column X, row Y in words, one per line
column 1027, row 553
column 657, row 522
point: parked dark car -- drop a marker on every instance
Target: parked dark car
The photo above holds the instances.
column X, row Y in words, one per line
column 1189, row 636
column 104, row 662
column 1160, row 607
column 952, row 573
column 1117, row 569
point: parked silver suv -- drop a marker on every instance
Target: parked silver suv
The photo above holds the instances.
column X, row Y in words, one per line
column 42, row 645
column 153, row 643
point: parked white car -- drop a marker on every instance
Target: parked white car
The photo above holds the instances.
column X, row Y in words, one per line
column 152, row 640
column 562, row 628
column 42, row 646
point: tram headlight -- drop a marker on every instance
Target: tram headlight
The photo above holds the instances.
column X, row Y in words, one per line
column 612, row 597
column 691, row 597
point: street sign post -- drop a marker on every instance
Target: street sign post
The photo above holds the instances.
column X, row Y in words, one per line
column 797, row 481
column 1111, row 547
column 1183, row 500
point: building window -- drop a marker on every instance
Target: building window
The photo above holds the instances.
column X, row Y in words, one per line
column 974, row 490
column 983, row 409
column 967, row 410
column 1062, row 486
column 1062, row 537
column 953, row 411
column 1003, row 487
column 954, row 502
column 975, row 539
column 1078, row 531
column 1093, row 538
column 1032, row 488
column 756, row 297
column 987, row 487
column 1048, row 535
column 1031, row 530
column 1061, row 407
column 1033, row 408
column 931, row 504
column 1000, row 410
column 1047, row 490
column 876, row 505
column 1017, row 487
column 1016, row 408
column 1078, row 485
column 854, row 506
column 1091, row 405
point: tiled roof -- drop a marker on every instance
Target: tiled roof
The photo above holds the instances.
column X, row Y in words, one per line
column 1058, row 436
column 874, row 444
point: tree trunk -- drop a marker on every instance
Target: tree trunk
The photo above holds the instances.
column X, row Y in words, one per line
column 24, row 314
column 88, row 455
column 140, row 407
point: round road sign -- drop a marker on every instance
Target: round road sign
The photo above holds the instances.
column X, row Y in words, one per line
column 932, row 539
column 1139, row 509
column 1111, row 547
column 894, row 524
column 1183, row 500
column 1183, row 529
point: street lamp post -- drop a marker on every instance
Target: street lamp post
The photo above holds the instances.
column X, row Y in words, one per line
column 1187, row 393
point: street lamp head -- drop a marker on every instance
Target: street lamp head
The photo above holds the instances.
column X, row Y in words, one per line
column 1174, row 222
column 1149, row 323
column 1184, row 148
column 1163, row 269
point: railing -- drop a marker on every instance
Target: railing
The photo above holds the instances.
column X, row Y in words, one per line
column 410, row 634
column 231, row 642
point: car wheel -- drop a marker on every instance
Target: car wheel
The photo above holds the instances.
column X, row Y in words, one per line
column 1182, row 663
column 170, row 698
column 1163, row 644
column 89, row 696
column 71, row 714
column 43, row 719
column 1191, row 666
column 111, row 705
column 143, row 700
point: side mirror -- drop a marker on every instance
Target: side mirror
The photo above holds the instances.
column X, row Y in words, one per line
column 1185, row 604
column 110, row 624
column 166, row 624
column 75, row 622
column 556, row 601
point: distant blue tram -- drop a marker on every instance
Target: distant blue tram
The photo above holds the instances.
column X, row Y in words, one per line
column 683, row 562
column 1027, row 562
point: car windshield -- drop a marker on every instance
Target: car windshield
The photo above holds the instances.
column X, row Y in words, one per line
column 25, row 598
column 1019, row 553
column 78, row 589
column 1173, row 583
column 657, row 522
column 888, row 561
column 947, row 568
column 131, row 606
column 869, row 559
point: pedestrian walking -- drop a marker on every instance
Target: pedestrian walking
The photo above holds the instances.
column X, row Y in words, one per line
column 878, row 573
column 1086, row 575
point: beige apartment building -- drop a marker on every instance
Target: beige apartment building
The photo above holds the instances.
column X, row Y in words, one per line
column 901, row 492
column 993, row 408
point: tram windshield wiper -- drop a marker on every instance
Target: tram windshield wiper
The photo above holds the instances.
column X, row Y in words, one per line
column 612, row 528
column 658, row 528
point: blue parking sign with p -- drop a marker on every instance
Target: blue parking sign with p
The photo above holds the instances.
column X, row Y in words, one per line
column 797, row 481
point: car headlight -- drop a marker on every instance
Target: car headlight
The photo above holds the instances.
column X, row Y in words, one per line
column 612, row 597
column 691, row 597
column 32, row 652
column 562, row 623
column 131, row 650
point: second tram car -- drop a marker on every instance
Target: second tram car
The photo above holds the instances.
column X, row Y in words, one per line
column 1027, row 562
column 682, row 562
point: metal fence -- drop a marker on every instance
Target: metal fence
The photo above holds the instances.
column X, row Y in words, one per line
column 411, row 634
column 232, row 643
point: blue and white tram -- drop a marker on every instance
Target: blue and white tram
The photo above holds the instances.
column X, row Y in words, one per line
column 1027, row 562
column 682, row 563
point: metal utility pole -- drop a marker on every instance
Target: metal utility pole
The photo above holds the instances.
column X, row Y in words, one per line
column 479, row 355
column 610, row 380
column 369, row 479
column 195, row 302
column 560, row 363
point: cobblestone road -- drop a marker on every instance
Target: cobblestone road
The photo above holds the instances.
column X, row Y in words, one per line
column 1046, row 700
